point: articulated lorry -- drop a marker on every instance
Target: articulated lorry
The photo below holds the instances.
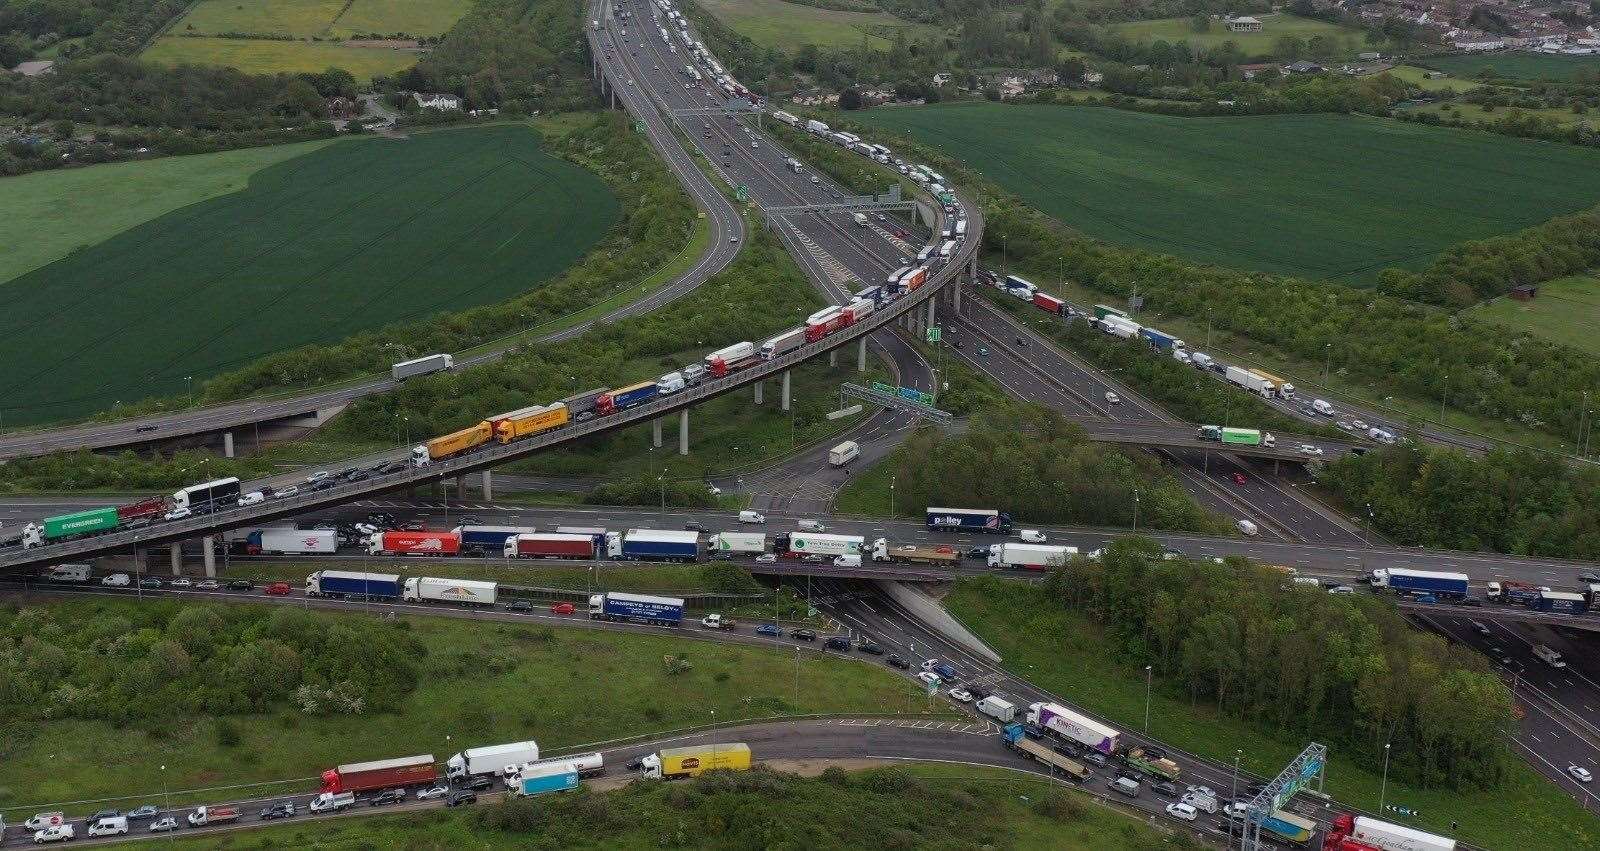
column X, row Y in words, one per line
column 636, row 608
column 380, row 774
column 1349, row 832
column 883, row 551
column 738, row 543
column 1074, row 727
column 694, row 761
column 544, row 777
column 1015, row 739
column 801, row 544
column 432, row 589
column 1248, row 380
column 653, row 545
column 985, row 520
column 549, row 545
column 488, row 540
column 344, row 583
column 1402, row 579
column 490, row 759
column 1030, row 556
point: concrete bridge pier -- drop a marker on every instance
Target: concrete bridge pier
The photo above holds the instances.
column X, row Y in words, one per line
column 683, row 431
column 176, row 556
column 488, row 485
column 861, row 355
column 784, row 403
column 655, row 433
column 227, row 444
column 209, row 549
column 758, row 392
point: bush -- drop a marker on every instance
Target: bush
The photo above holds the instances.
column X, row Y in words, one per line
column 227, row 734
column 1060, row 805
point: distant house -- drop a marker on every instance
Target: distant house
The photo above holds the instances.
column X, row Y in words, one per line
column 341, row 107
column 1044, row 77
column 1010, row 87
column 1250, row 71
column 1245, row 24
column 1481, row 45
column 1093, row 78
column 1303, row 67
column 436, row 101
column 1524, row 292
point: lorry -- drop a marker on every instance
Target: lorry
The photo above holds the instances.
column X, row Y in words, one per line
column 143, row 511
column 421, row 366
column 1240, row 377
column 343, row 583
column 653, row 545
column 738, row 542
column 883, row 551
column 549, row 545
column 636, row 608
column 784, row 343
column 1150, row 764
column 669, row 763
column 542, row 777
column 1564, row 602
column 1512, row 591
column 1291, row 828
column 432, row 589
column 844, row 453
column 1101, row 311
column 997, row 708
column 380, row 774
column 1237, row 436
column 1030, row 556
column 1549, row 656
column 623, row 398
column 587, row 765
column 1285, row 389
column 291, row 542
column 799, row 544
column 203, row 816
column 729, row 358
column 817, row 127
column 63, row 526
column 414, row 543
column 1349, row 832
column 488, row 540
column 1048, row 303
column 490, row 759
column 969, row 520
column 454, row 443
column 862, row 220
column 1074, row 727
column 1402, row 579
column 527, row 422
column 1120, row 327
column 1160, row 340
column 1016, row 740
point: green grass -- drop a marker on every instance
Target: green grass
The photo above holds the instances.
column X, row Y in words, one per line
column 413, row 17
column 990, row 808
column 346, row 238
column 1174, row 30
column 867, row 492
column 323, row 18
column 1419, row 77
column 787, row 26
column 1526, row 66
column 1566, row 311
column 561, row 687
column 50, row 214
column 1527, row 812
column 271, row 57
column 1319, row 196
column 1476, row 114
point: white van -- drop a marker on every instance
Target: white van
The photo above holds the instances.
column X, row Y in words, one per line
column 252, row 498
column 810, row 526
column 110, row 826
column 1031, row 536
column 68, row 573
column 672, row 382
column 1000, row 710
column 844, row 453
column 1248, row 528
column 332, row 801
column 751, row 517
column 117, row 580
column 1322, row 407
column 847, row 560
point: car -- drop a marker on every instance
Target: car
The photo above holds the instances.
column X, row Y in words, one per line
column 960, row 694
column 983, row 351
column 208, row 585
column 1238, row 478
column 1171, row 554
column 1236, row 810
column 1308, row 449
column 1182, row 811
column 1341, row 589
column 754, row 144
column 803, row 634
column 176, row 514
column 144, row 811
column 895, row 661
column 766, row 558
column 769, row 630
column 103, row 814
column 55, row 833
column 387, row 796
column 958, row 344
column 478, row 784
column 519, row 605
column 1021, row 342
column 150, row 582
column 1031, row 536
column 252, row 498
column 276, row 589
column 241, row 585
column 837, row 643
column 1360, row 424
column 461, row 796
column 117, row 580
column 144, row 429
column 1589, row 576
column 277, row 811
column 563, row 609
column 1112, row 398
column 870, row 649
column 1094, row 758
column 978, row 693
column 180, row 582
column 930, row 678
column 1165, row 788
column 1579, row 773
column 694, row 526
column 432, row 792
column 412, row 526
column 162, row 825
column 1481, row 628
column 978, row 552
column 1345, row 425
column 469, row 520
column 286, row 492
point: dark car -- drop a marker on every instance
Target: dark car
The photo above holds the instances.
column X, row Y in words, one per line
column 1470, row 601
column 803, row 634
column 277, row 811
column 1032, row 731
column 897, row 662
column 1166, row 788
column 770, row 630
column 870, row 648
column 694, row 526
column 104, row 814
column 979, row 693
column 148, row 582
column 478, row 784
column 143, row 812
column 413, row 526
column 241, row 585
column 1589, row 576
column 978, row 552
column 461, row 796
column 387, row 796
column 144, row 429
column 519, row 605
column 322, row 485
column 838, row 643
column 1094, row 758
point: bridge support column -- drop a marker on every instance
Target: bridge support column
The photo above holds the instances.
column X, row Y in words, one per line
column 227, row 444
column 141, row 560
column 861, row 355
column 461, row 489
column 655, row 434
column 758, row 392
column 208, row 548
column 683, row 431
column 177, row 558
column 784, row 403
column 833, row 358
column 929, row 324
column 488, row 485
column 955, row 296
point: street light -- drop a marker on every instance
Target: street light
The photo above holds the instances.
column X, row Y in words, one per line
column 891, row 496
column 1327, row 361
column 1233, row 796
column 1149, row 672
column 1384, row 787
column 1136, row 513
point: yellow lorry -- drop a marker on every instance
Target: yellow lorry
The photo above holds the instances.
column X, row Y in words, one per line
column 694, row 761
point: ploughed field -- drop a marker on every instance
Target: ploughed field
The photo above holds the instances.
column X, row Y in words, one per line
column 1317, row 196
column 346, row 238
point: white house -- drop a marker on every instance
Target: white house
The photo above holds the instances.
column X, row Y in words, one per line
column 1245, row 24
column 436, row 101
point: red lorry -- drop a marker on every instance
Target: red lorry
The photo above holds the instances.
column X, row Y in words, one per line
column 143, row 511
column 380, row 774
column 416, row 543
column 551, row 545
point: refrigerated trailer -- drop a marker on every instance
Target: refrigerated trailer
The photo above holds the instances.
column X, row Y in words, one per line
column 636, row 608
column 291, row 542
column 344, row 583
column 431, row 589
column 380, row 774
column 421, row 366
column 549, row 545
column 969, row 520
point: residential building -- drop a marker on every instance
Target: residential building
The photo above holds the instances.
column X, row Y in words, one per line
column 1243, row 24
column 436, row 101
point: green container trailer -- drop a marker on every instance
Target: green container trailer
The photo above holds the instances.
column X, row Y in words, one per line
column 81, row 522
column 1241, row 436
column 1101, row 311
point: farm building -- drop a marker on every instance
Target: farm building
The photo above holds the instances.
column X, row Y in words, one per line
column 1245, row 24
column 436, row 101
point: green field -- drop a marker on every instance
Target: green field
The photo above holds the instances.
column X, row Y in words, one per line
column 1566, row 311
column 787, row 26
column 1419, row 77
column 1319, row 196
column 1274, row 27
column 1526, row 66
column 48, row 214
column 1063, row 652
column 323, row 18
column 345, row 238
column 478, row 682
column 1472, row 113
column 271, row 57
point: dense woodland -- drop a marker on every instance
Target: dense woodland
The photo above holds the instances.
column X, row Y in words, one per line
column 522, row 55
column 1346, row 670
column 1508, row 501
column 1470, row 272
column 105, row 26
column 151, row 662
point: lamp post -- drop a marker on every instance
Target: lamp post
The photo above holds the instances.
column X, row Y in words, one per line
column 891, row 496
column 1233, row 795
column 1149, row 673
column 1383, row 788
column 1136, row 514
column 1327, row 361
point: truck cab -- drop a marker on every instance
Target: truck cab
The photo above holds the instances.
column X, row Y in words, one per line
column 420, row 456
column 328, row 802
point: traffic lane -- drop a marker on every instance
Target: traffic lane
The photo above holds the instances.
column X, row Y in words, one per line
column 1510, row 647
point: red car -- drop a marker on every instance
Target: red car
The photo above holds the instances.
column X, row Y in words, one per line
column 277, row 589
column 563, row 609
column 1238, row 478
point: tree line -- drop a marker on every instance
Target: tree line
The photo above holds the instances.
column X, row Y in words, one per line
column 1345, row 670
column 152, row 662
column 1508, row 500
column 1469, row 272
column 106, row 26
